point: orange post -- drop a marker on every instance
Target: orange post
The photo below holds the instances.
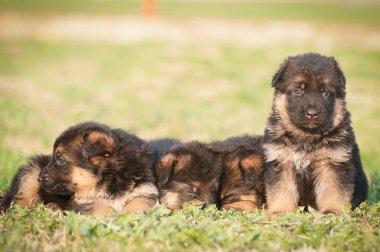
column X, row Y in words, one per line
column 148, row 8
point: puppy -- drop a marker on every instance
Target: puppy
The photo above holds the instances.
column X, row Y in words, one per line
column 103, row 171
column 242, row 182
column 188, row 172
column 26, row 191
column 310, row 150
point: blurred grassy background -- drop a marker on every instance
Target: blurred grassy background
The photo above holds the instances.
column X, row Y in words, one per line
column 201, row 84
column 341, row 11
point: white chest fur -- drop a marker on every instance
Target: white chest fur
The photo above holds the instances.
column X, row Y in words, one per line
column 302, row 159
column 101, row 197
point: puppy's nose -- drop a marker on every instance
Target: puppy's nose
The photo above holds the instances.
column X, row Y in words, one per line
column 311, row 113
column 209, row 201
column 41, row 177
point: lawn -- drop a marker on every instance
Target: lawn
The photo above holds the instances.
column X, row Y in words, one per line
column 162, row 88
column 283, row 10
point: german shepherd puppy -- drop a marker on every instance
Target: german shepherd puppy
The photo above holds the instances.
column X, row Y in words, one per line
column 188, row 172
column 26, row 191
column 311, row 154
column 242, row 182
column 102, row 170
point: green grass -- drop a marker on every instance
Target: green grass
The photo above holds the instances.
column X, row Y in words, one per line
column 157, row 89
column 324, row 11
column 190, row 229
column 203, row 91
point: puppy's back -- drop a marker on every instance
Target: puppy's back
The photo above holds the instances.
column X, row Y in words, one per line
column 160, row 146
column 232, row 143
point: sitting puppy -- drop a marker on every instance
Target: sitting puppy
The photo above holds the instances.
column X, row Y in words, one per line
column 242, row 182
column 188, row 172
column 311, row 154
column 103, row 170
column 26, row 191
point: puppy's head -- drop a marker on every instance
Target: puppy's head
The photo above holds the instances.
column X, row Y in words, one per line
column 310, row 93
column 189, row 172
column 242, row 184
column 88, row 157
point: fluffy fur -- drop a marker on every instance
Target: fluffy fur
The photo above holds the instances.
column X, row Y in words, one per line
column 102, row 171
column 26, row 191
column 242, row 183
column 188, row 172
column 311, row 154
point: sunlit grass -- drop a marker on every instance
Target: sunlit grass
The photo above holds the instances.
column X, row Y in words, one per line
column 190, row 229
column 202, row 91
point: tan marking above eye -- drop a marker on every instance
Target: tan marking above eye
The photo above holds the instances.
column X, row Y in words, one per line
column 325, row 81
column 299, row 78
column 59, row 149
column 100, row 138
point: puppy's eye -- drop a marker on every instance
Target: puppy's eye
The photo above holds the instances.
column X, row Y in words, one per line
column 298, row 92
column 326, row 93
column 193, row 190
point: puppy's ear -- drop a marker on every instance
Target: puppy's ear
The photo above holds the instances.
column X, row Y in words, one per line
column 165, row 167
column 251, row 167
column 97, row 144
column 278, row 76
column 341, row 77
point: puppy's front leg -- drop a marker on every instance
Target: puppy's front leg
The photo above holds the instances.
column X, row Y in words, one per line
column 331, row 194
column 143, row 199
column 281, row 188
column 139, row 204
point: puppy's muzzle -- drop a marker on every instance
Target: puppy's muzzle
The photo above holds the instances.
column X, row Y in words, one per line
column 311, row 113
column 42, row 176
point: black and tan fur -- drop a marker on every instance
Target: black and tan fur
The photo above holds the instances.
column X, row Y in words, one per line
column 162, row 145
column 104, row 171
column 311, row 154
column 26, row 191
column 242, row 182
column 188, row 172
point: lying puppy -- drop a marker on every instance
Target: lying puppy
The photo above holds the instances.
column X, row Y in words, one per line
column 242, row 182
column 103, row 170
column 310, row 148
column 188, row 172
column 26, row 191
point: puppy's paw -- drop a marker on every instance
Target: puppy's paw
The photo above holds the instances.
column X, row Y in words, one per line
column 138, row 205
column 53, row 206
column 331, row 211
column 244, row 205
